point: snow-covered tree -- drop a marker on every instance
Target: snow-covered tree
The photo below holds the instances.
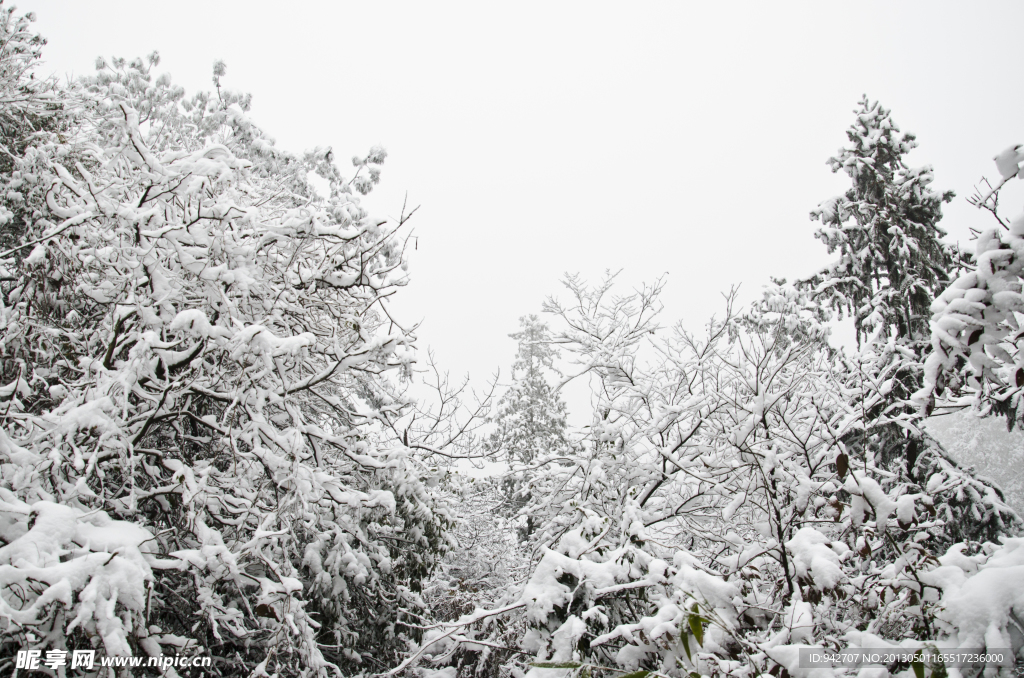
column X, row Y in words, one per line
column 892, row 263
column 750, row 491
column 530, row 424
column 976, row 357
column 25, row 102
column 976, row 326
column 791, row 311
column 28, row 105
column 196, row 453
column 891, row 259
column 531, row 414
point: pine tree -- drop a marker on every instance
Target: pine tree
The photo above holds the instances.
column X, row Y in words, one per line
column 531, row 419
column 892, row 263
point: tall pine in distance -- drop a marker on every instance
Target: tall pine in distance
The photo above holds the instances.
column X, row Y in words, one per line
column 531, row 418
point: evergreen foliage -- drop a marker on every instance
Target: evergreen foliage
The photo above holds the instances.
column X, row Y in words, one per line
column 891, row 259
column 892, row 263
column 531, row 414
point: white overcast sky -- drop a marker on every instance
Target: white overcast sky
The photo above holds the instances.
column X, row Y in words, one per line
column 544, row 137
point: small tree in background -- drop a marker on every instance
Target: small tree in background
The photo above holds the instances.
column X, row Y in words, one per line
column 531, row 420
column 531, row 414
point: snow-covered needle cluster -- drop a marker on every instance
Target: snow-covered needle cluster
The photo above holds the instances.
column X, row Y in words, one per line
column 209, row 447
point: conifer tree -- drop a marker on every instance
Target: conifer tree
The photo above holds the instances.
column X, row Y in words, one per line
column 892, row 263
column 531, row 415
column 531, row 419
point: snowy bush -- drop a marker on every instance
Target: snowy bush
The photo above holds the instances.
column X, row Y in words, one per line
column 976, row 320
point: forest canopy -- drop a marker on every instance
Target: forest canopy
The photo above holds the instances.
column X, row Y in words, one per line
column 218, row 439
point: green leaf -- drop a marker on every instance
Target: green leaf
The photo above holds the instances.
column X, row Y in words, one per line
column 557, row 665
column 697, row 628
column 684, row 635
column 918, row 668
column 636, row 674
